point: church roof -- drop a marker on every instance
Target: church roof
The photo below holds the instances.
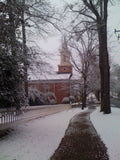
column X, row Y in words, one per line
column 49, row 76
column 54, row 75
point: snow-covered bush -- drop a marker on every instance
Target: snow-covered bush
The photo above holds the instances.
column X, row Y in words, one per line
column 65, row 100
column 72, row 99
column 38, row 98
column 50, row 98
column 53, row 101
column 35, row 97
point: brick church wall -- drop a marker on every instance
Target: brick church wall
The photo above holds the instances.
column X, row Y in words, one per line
column 59, row 87
column 61, row 91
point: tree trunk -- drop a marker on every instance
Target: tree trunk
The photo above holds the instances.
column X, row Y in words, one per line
column 104, row 59
column 84, row 94
column 24, row 50
column 12, row 26
column 104, row 69
column 97, row 94
column 101, row 62
column 84, row 101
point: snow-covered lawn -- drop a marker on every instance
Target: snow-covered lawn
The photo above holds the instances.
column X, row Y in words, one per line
column 37, row 139
column 108, row 127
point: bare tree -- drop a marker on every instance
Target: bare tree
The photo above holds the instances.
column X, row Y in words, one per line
column 84, row 61
column 37, row 15
column 95, row 14
column 40, row 16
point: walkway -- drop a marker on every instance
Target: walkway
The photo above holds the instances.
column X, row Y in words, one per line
column 81, row 141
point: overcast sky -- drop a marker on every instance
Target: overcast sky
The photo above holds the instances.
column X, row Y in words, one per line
column 53, row 43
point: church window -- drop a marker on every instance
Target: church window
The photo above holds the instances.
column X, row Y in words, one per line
column 46, row 89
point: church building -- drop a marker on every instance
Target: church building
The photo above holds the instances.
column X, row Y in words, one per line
column 60, row 83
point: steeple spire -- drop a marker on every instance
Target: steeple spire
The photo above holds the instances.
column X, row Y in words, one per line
column 65, row 65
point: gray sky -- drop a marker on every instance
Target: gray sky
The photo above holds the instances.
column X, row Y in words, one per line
column 53, row 43
column 114, row 23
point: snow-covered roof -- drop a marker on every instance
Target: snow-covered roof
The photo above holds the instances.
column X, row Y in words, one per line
column 49, row 76
column 53, row 75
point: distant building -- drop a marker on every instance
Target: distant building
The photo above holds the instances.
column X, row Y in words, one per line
column 60, row 83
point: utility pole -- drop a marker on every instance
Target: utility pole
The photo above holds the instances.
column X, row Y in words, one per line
column 117, row 32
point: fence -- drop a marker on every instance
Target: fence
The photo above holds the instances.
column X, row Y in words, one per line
column 9, row 116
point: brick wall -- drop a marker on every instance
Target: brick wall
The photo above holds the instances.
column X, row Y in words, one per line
column 65, row 69
column 59, row 88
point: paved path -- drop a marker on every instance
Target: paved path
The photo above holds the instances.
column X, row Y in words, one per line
column 32, row 113
column 81, row 141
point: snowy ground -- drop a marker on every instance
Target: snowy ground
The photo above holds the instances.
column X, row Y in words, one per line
column 37, row 139
column 108, row 127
